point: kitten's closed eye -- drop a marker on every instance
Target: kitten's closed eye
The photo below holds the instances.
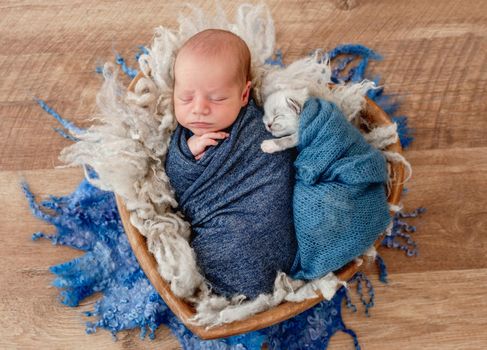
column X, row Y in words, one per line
column 274, row 119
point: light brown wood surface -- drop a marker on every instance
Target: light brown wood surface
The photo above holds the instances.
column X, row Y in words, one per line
column 435, row 59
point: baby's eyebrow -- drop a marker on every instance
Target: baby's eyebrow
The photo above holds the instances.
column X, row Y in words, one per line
column 214, row 90
column 186, row 92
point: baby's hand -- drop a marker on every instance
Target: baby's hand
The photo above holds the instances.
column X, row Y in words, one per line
column 197, row 144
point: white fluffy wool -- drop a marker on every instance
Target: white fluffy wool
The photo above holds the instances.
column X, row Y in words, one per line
column 383, row 136
column 127, row 149
column 313, row 73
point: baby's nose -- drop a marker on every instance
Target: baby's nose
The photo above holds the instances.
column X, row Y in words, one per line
column 201, row 106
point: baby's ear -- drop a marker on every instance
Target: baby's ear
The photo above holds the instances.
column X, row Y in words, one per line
column 246, row 93
column 296, row 101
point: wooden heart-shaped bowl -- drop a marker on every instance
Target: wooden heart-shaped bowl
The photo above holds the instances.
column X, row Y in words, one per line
column 184, row 311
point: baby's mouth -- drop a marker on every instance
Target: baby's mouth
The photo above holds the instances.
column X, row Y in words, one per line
column 200, row 124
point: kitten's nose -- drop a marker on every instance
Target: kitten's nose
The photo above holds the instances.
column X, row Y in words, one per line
column 269, row 125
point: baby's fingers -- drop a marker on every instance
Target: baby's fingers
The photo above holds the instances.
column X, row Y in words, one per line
column 216, row 135
column 199, row 156
column 208, row 142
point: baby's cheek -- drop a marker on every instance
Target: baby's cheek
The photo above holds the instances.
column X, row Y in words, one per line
column 231, row 112
column 180, row 113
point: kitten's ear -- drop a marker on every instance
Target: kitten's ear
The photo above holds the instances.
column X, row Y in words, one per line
column 297, row 101
column 294, row 104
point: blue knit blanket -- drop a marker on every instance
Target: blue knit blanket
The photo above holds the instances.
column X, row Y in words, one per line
column 340, row 204
column 238, row 200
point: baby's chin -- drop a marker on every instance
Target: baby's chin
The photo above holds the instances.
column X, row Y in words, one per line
column 205, row 129
column 201, row 131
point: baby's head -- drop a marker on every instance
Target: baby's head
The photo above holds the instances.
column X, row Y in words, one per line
column 211, row 81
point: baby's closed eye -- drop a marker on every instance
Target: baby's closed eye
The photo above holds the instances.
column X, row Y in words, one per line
column 185, row 99
column 218, row 99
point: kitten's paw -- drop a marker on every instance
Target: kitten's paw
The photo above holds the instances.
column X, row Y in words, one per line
column 269, row 146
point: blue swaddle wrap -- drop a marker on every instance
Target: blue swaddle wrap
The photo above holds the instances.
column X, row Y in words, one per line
column 239, row 203
column 340, row 204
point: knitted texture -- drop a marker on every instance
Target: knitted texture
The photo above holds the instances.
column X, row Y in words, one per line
column 340, row 204
column 239, row 202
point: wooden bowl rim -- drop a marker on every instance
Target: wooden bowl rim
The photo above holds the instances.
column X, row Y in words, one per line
column 267, row 318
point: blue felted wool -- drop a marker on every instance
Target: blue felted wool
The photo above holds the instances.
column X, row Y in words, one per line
column 340, row 204
column 238, row 200
column 88, row 220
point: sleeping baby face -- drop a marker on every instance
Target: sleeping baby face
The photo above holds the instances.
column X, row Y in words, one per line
column 208, row 92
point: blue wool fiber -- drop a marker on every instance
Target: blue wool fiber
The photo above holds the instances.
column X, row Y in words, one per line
column 343, row 57
column 142, row 51
column 348, row 301
column 340, row 66
column 382, row 268
column 355, row 73
column 400, row 237
column 360, row 277
column 405, row 133
column 88, row 220
column 65, row 135
column 65, row 123
column 355, row 50
column 277, row 61
column 131, row 72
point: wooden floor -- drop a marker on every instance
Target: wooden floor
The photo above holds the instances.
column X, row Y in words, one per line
column 435, row 59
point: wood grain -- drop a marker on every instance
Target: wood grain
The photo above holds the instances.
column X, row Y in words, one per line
column 435, row 60
column 438, row 310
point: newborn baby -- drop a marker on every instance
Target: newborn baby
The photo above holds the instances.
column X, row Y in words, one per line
column 237, row 198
